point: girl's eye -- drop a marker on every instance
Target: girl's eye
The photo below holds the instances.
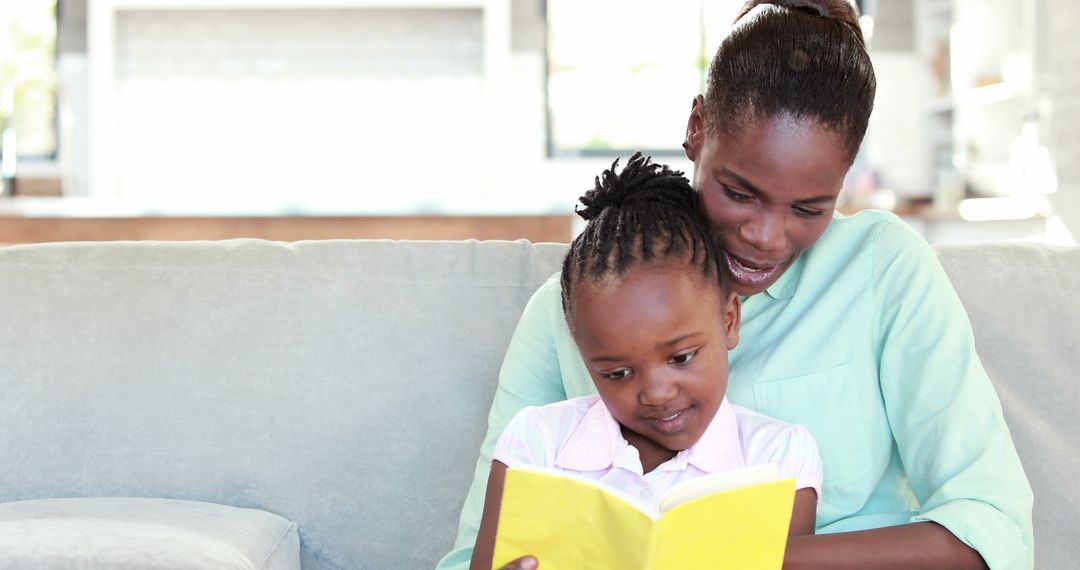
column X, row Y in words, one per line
column 620, row 374
column 808, row 212
column 684, row 358
column 735, row 195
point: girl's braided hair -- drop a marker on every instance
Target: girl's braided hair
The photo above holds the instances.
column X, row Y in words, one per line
column 646, row 211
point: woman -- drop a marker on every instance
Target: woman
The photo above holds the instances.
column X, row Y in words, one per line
column 854, row 330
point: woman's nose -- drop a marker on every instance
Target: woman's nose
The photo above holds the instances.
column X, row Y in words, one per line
column 764, row 233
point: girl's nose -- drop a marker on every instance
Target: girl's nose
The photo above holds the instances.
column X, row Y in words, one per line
column 658, row 389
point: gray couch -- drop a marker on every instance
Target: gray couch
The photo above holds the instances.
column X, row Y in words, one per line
column 344, row 385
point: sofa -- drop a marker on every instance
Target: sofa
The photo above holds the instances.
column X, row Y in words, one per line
column 322, row 403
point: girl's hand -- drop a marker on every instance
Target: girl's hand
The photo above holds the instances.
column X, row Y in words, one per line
column 523, row 563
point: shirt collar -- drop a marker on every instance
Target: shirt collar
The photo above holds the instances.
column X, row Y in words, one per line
column 594, row 443
column 597, row 442
column 784, row 287
column 720, row 447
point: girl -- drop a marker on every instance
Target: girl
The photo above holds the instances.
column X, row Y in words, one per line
column 653, row 319
column 851, row 327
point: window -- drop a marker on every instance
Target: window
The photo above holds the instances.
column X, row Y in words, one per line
column 622, row 73
column 27, row 78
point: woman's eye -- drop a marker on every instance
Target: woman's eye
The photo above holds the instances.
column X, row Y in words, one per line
column 736, row 195
column 620, row 374
column 684, row 358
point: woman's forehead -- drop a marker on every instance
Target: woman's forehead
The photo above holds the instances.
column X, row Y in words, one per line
column 777, row 152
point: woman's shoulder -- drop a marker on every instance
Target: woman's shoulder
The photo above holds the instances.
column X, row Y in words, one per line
column 548, row 296
column 865, row 224
column 873, row 234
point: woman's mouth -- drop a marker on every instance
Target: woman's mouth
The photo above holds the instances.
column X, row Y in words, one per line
column 748, row 273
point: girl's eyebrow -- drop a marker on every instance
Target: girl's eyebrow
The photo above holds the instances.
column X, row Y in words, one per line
column 662, row 344
column 749, row 187
column 677, row 339
column 607, row 359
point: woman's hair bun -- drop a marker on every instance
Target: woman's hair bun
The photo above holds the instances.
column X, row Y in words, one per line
column 843, row 10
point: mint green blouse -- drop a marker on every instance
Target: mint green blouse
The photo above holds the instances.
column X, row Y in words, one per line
column 863, row 341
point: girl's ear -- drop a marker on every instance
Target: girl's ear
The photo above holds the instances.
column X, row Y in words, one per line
column 695, row 128
column 732, row 319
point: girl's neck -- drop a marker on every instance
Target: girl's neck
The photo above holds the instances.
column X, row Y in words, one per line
column 651, row 454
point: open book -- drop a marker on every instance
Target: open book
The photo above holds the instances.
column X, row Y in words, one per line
column 733, row 519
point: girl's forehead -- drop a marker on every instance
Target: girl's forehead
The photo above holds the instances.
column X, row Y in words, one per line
column 675, row 275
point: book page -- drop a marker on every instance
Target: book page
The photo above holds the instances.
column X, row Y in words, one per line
column 569, row 523
column 743, row 528
column 721, row 481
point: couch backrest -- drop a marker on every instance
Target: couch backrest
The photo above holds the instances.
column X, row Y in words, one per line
column 345, row 384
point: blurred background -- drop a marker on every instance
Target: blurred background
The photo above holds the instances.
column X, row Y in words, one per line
column 453, row 119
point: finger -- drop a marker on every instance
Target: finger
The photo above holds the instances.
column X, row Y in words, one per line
column 523, row 563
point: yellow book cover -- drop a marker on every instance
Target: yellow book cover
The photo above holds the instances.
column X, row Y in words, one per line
column 734, row 519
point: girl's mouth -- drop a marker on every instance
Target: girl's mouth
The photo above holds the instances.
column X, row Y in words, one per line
column 749, row 274
column 672, row 422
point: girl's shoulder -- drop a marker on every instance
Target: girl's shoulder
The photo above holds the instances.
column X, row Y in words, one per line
column 790, row 447
column 556, row 417
column 765, row 438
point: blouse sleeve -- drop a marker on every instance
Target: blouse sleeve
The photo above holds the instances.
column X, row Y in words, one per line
column 944, row 413
column 525, row 441
column 798, row 457
column 530, row 376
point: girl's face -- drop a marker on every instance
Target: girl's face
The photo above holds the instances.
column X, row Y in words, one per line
column 768, row 192
column 655, row 342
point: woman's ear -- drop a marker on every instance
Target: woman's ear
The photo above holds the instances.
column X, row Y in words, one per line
column 695, row 128
column 732, row 319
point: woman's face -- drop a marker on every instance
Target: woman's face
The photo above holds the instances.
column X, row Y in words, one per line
column 768, row 192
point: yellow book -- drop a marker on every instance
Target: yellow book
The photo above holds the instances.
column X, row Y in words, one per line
column 734, row 519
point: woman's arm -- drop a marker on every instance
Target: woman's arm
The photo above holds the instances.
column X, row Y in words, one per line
column 904, row 547
column 946, row 420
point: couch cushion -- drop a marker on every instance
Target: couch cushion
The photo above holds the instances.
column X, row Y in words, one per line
column 1022, row 301
column 146, row 534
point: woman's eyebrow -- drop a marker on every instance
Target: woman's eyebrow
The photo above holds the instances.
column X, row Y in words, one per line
column 822, row 198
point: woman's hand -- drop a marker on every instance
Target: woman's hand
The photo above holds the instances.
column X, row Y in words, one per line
column 523, row 563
